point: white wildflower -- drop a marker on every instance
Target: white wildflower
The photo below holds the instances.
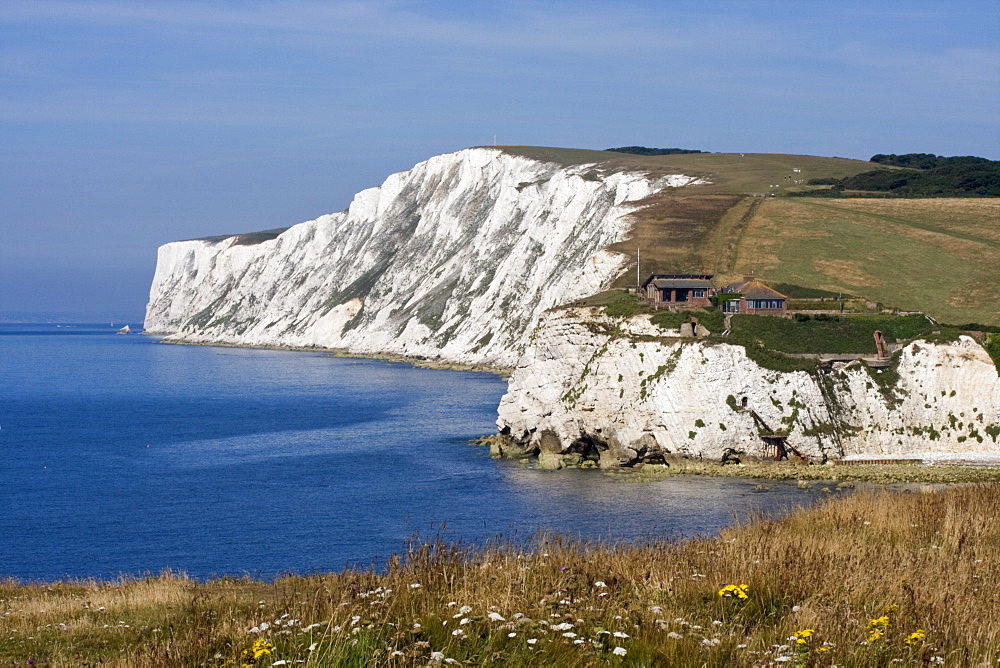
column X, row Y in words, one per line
column 674, row 635
column 569, row 634
column 496, row 617
column 512, row 634
column 619, row 651
column 565, row 626
column 465, row 609
column 532, row 641
column 416, row 585
column 600, row 584
column 312, row 647
column 465, row 620
column 656, row 610
column 620, row 634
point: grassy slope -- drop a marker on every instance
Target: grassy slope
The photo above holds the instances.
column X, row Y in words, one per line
column 929, row 564
column 932, row 255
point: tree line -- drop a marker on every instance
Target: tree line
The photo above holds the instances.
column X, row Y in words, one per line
column 924, row 175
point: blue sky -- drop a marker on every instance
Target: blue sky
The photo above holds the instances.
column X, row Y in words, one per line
column 128, row 124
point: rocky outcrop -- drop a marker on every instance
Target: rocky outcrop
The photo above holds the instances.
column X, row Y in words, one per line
column 456, row 258
column 593, row 389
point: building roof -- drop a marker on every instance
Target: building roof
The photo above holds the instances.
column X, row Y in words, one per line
column 706, row 278
column 757, row 290
column 682, row 283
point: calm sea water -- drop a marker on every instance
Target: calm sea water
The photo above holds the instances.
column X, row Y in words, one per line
column 119, row 454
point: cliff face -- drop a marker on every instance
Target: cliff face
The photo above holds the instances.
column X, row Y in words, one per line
column 620, row 392
column 456, row 258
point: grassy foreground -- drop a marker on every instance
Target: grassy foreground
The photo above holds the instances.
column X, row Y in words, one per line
column 862, row 580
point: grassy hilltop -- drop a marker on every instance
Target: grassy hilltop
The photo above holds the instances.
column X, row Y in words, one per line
column 932, row 255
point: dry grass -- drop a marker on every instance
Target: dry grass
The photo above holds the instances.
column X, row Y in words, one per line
column 925, row 561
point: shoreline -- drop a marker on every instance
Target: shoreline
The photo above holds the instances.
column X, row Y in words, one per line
column 416, row 360
column 819, row 473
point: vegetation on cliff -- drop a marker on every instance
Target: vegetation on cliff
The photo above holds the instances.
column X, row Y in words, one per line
column 843, row 583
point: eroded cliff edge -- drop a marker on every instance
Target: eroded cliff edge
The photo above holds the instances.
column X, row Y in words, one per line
column 595, row 390
column 456, row 259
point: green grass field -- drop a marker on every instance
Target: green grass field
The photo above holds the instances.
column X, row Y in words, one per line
column 930, row 255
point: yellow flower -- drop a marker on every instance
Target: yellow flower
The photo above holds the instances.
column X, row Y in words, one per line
column 823, row 649
column 735, row 591
column 876, row 628
column 802, row 637
column 891, row 608
column 915, row 637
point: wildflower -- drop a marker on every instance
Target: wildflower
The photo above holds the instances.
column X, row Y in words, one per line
column 569, row 634
column 620, row 634
column 600, row 584
column 823, row 649
column 656, row 610
column 496, row 617
column 735, row 591
column 802, row 637
column 915, row 637
column 876, row 628
column 674, row 635
column 512, row 635
column 532, row 641
column 312, row 647
column 416, row 585
column 458, row 632
column 619, row 651
column 465, row 609
column 565, row 626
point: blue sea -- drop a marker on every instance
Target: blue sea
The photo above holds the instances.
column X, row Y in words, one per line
column 124, row 455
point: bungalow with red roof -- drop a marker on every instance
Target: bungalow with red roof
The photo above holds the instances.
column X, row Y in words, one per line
column 755, row 298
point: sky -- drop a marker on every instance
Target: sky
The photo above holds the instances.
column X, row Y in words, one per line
column 127, row 124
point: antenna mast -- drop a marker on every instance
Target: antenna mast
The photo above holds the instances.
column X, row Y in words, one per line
column 637, row 277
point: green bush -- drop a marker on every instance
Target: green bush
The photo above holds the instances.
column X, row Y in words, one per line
column 712, row 319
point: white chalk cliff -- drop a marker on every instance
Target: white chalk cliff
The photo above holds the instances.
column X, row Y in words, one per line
column 456, row 258
column 620, row 392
